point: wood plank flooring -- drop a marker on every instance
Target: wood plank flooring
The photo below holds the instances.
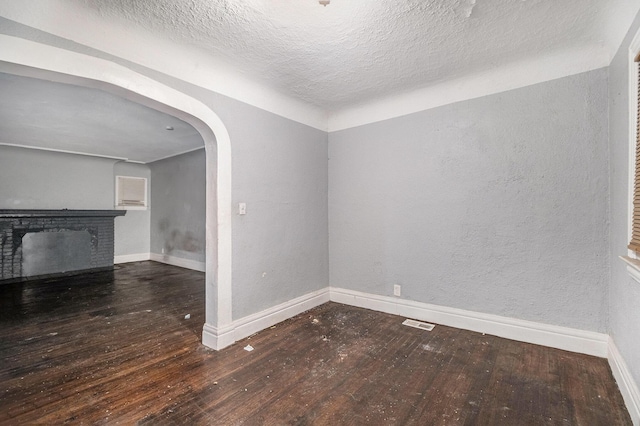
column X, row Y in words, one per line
column 115, row 348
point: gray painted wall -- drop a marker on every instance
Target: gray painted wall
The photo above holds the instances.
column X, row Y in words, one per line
column 495, row 205
column 31, row 179
column 132, row 231
column 178, row 206
column 624, row 292
column 280, row 248
column 279, row 169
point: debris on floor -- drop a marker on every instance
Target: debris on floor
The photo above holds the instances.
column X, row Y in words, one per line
column 187, row 316
column 248, row 348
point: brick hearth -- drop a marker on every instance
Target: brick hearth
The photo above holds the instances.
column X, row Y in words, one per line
column 14, row 224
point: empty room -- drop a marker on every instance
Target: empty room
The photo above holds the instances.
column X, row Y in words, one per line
column 320, row 212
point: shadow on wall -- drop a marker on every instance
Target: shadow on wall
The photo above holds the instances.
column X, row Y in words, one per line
column 176, row 240
column 178, row 210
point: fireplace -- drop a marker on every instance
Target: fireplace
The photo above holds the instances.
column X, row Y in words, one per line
column 43, row 242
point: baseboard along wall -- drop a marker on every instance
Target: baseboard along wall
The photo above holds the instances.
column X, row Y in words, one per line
column 628, row 387
column 126, row 258
column 221, row 337
column 178, row 261
column 162, row 258
column 565, row 338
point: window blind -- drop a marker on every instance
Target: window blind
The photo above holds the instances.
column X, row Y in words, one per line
column 635, row 222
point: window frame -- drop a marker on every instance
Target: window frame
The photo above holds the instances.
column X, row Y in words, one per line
column 633, row 53
column 632, row 259
column 119, row 206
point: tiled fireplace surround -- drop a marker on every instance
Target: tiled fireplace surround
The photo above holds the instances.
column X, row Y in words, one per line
column 15, row 224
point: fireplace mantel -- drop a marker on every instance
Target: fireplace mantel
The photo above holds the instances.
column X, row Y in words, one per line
column 11, row 213
column 55, row 241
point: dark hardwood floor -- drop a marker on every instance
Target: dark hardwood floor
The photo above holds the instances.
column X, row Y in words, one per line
column 115, row 348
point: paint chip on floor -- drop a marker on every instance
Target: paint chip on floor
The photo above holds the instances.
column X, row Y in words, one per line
column 248, row 348
column 187, row 316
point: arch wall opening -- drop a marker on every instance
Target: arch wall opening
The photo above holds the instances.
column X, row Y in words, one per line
column 30, row 59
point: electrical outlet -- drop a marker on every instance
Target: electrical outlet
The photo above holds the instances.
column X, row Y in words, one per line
column 397, row 290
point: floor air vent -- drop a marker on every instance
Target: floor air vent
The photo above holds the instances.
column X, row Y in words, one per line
column 418, row 324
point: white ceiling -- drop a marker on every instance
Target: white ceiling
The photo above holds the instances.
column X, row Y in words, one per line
column 43, row 114
column 352, row 51
column 314, row 63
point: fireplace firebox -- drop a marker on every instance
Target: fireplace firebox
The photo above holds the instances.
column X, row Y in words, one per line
column 43, row 242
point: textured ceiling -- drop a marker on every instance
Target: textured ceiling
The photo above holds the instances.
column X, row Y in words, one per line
column 335, row 59
column 352, row 51
column 57, row 116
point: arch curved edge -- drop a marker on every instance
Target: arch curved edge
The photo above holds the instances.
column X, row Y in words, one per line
column 74, row 68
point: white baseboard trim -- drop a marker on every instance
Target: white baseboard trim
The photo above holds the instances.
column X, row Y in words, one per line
column 126, row 258
column 626, row 384
column 221, row 337
column 569, row 339
column 565, row 338
column 214, row 338
column 178, row 261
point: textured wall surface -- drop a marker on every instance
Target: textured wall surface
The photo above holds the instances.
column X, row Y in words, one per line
column 132, row 229
column 495, row 205
column 178, row 206
column 624, row 292
column 280, row 247
column 31, row 179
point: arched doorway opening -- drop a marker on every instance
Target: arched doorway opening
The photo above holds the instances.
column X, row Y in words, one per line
column 26, row 58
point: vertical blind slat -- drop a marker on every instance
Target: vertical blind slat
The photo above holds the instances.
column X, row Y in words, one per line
column 635, row 221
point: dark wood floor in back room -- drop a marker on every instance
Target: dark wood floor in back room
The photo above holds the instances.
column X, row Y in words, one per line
column 115, row 348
